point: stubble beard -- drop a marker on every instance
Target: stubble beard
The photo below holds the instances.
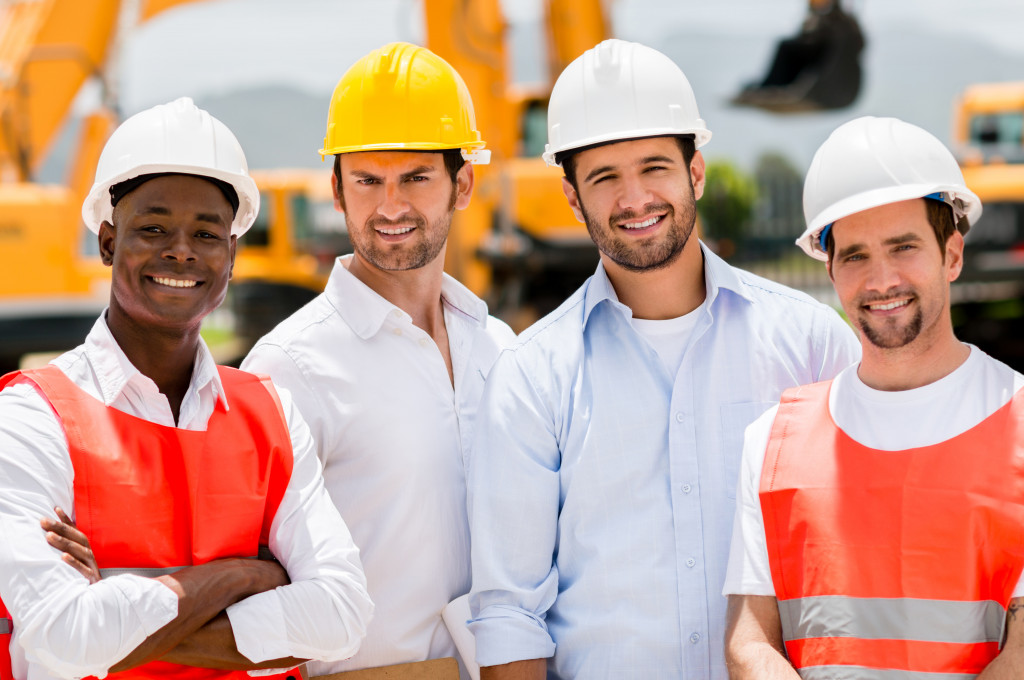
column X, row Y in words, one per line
column 650, row 254
column 406, row 256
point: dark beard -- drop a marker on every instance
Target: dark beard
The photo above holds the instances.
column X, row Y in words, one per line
column 642, row 257
column 902, row 339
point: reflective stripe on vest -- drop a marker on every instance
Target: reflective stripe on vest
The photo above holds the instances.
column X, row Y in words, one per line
column 862, row 673
column 898, row 562
column 892, row 619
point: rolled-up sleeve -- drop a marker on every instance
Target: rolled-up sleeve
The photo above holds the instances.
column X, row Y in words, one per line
column 324, row 612
column 61, row 622
column 514, row 499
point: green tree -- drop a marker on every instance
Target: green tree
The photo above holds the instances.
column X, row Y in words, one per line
column 727, row 205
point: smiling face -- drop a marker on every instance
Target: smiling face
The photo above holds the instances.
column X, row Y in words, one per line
column 171, row 253
column 637, row 199
column 398, row 206
column 891, row 276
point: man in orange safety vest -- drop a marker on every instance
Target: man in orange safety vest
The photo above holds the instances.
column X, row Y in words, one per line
column 879, row 530
column 178, row 471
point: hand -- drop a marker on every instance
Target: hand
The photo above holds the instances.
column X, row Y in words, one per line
column 73, row 544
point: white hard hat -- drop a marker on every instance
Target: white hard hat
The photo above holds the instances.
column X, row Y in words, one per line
column 869, row 162
column 620, row 90
column 177, row 137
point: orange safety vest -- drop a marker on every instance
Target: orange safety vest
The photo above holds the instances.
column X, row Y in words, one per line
column 892, row 560
column 153, row 498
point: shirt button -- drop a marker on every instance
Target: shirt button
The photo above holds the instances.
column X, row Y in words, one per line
column 396, row 331
column 694, row 638
column 424, row 342
column 396, row 313
column 680, row 417
column 687, row 488
column 691, row 562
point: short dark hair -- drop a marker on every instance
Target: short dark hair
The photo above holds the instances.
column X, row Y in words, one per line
column 453, row 162
column 940, row 217
column 567, row 159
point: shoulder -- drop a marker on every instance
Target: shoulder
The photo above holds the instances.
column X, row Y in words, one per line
column 772, row 297
column 298, row 339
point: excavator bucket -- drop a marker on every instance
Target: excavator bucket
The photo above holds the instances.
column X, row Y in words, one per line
column 818, row 69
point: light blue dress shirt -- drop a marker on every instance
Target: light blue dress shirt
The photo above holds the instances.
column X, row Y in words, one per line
column 602, row 488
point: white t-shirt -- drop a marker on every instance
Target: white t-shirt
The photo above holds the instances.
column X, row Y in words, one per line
column 886, row 421
column 669, row 337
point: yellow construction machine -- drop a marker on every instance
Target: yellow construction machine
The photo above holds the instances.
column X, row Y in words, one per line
column 989, row 136
column 51, row 287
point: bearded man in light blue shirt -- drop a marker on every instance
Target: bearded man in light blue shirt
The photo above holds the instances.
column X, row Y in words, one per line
column 603, row 475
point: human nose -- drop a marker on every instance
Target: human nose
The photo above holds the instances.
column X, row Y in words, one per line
column 882, row 275
column 393, row 204
column 635, row 194
column 179, row 248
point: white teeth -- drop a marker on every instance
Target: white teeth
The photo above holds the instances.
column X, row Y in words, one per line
column 395, row 232
column 642, row 225
column 175, row 283
column 889, row 305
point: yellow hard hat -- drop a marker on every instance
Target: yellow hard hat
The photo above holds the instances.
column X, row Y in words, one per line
column 402, row 96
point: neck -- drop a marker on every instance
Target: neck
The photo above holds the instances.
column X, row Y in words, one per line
column 417, row 292
column 920, row 363
column 665, row 293
column 166, row 357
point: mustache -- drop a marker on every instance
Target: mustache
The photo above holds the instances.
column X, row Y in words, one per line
column 408, row 221
column 874, row 298
column 637, row 214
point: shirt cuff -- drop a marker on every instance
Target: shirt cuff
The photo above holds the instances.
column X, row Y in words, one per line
column 504, row 635
column 256, row 623
column 154, row 603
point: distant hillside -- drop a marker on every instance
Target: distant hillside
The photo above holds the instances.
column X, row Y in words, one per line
column 277, row 126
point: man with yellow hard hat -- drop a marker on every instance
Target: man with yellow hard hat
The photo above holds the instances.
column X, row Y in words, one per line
column 387, row 365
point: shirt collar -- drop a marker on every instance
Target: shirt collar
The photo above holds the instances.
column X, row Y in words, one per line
column 718, row 274
column 114, row 371
column 365, row 310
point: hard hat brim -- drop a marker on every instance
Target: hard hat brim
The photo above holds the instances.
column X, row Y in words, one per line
column 97, row 207
column 875, row 198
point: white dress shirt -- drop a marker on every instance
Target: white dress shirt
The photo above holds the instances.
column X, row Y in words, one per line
column 393, row 435
column 882, row 420
column 602, row 482
column 67, row 628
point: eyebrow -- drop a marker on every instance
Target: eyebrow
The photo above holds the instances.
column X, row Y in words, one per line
column 419, row 170
column 646, row 160
column 909, row 237
column 212, row 218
